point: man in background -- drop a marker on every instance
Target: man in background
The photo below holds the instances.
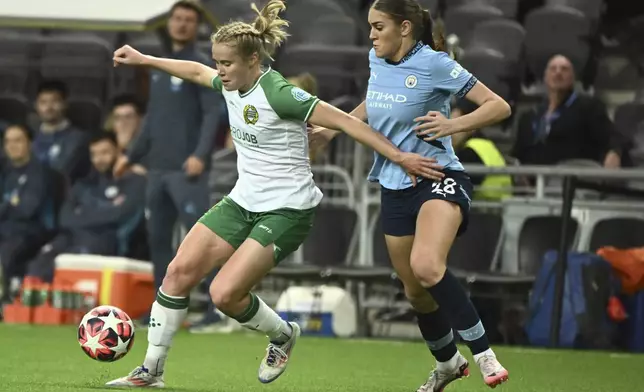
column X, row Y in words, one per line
column 101, row 213
column 177, row 140
column 125, row 120
column 567, row 125
column 26, row 210
column 57, row 143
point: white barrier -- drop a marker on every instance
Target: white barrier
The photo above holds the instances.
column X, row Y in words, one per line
column 321, row 310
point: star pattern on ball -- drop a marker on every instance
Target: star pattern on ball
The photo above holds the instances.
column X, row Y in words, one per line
column 93, row 343
column 111, row 321
column 106, row 333
column 120, row 348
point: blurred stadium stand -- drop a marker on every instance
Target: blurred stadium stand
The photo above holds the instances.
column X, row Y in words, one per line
column 506, row 43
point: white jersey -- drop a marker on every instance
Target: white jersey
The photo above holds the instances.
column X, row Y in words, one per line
column 268, row 126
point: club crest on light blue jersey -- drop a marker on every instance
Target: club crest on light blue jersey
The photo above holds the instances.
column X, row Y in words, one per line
column 424, row 80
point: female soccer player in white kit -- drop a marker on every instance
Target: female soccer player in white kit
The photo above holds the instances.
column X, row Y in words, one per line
column 269, row 212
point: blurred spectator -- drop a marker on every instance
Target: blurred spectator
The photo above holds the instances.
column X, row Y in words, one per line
column 567, row 125
column 125, row 120
column 177, row 140
column 3, row 159
column 26, row 211
column 57, row 142
column 474, row 147
column 306, row 82
column 100, row 214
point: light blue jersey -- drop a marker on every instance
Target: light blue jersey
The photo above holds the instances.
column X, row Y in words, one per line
column 424, row 80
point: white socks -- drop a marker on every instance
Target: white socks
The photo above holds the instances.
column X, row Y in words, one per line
column 450, row 364
column 166, row 318
column 258, row 316
column 486, row 353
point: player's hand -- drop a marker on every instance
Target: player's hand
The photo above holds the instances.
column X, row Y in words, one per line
column 120, row 199
column 319, row 138
column 419, row 166
column 139, row 169
column 434, row 126
column 193, row 166
column 128, row 55
column 121, row 166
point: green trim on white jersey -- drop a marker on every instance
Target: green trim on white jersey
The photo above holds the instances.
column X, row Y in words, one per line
column 216, row 83
column 268, row 127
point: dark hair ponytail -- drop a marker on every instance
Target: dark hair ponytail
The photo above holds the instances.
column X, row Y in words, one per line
column 433, row 33
column 425, row 29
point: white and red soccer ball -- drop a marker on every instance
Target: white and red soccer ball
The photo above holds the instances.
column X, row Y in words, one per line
column 106, row 333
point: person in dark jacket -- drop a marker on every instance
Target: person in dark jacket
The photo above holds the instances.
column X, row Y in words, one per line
column 177, row 140
column 100, row 214
column 58, row 143
column 125, row 120
column 26, row 211
column 567, row 125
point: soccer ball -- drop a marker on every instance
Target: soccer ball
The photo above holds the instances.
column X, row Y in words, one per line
column 106, row 333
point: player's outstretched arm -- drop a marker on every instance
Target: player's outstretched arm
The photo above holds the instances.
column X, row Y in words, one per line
column 330, row 117
column 186, row 70
column 319, row 136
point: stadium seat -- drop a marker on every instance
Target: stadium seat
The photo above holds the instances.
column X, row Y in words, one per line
column 380, row 269
column 339, row 70
column 126, row 78
column 15, row 62
column 493, row 69
column 591, row 8
column 621, row 233
column 508, row 7
column 227, row 10
column 352, row 6
column 14, row 109
column 431, row 5
column 85, row 113
column 473, row 257
column 224, row 175
column 147, row 43
column 504, row 35
column 328, row 30
column 111, row 37
column 629, row 119
column 299, row 14
column 379, row 253
column 616, row 73
column 462, row 20
column 346, row 103
column 475, row 250
column 555, row 30
column 538, row 235
column 83, row 63
column 327, row 244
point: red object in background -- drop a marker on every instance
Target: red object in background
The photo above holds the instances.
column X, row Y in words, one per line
column 616, row 310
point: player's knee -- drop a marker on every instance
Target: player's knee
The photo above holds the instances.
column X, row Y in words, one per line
column 428, row 267
column 420, row 299
column 179, row 279
column 224, row 298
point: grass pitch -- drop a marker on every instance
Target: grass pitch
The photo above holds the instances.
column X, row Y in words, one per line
column 35, row 358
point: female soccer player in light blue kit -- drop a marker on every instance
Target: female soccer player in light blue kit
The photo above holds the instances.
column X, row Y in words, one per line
column 411, row 75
